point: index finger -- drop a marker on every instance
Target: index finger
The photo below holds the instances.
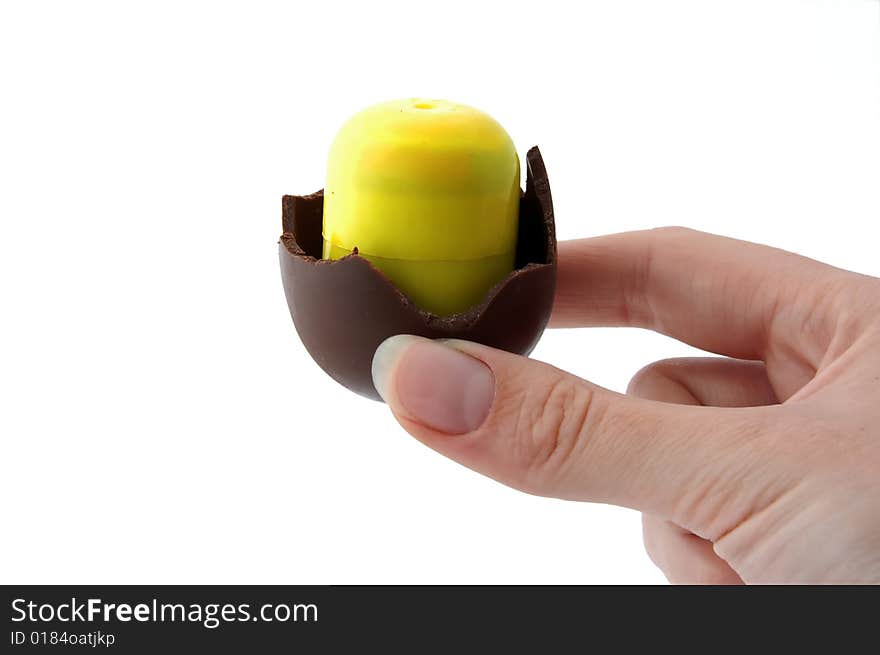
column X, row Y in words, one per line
column 719, row 294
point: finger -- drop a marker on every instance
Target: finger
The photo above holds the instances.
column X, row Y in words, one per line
column 684, row 557
column 718, row 294
column 709, row 381
column 544, row 431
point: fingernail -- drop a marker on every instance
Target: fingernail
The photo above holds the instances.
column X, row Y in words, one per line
column 433, row 384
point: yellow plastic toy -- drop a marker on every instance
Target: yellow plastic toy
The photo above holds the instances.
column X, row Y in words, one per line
column 428, row 191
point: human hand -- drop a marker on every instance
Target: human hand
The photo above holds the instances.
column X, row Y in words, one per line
column 759, row 467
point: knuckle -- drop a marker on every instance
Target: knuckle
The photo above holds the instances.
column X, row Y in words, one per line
column 644, row 377
column 650, row 542
column 550, row 429
column 673, row 231
column 647, row 376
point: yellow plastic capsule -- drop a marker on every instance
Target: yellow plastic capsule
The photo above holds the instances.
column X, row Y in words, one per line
column 428, row 191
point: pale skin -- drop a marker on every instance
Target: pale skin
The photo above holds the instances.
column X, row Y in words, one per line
column 759, row 466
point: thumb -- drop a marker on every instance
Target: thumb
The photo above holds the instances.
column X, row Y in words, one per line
column 546, row 432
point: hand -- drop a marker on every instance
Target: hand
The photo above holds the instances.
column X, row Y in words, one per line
column 759, row 467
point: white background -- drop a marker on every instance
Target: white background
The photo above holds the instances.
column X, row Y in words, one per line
column 160, row 420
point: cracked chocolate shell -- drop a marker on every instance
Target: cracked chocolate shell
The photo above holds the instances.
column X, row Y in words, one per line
column 344, row 308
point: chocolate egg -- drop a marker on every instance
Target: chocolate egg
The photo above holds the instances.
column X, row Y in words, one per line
column 344, row 308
